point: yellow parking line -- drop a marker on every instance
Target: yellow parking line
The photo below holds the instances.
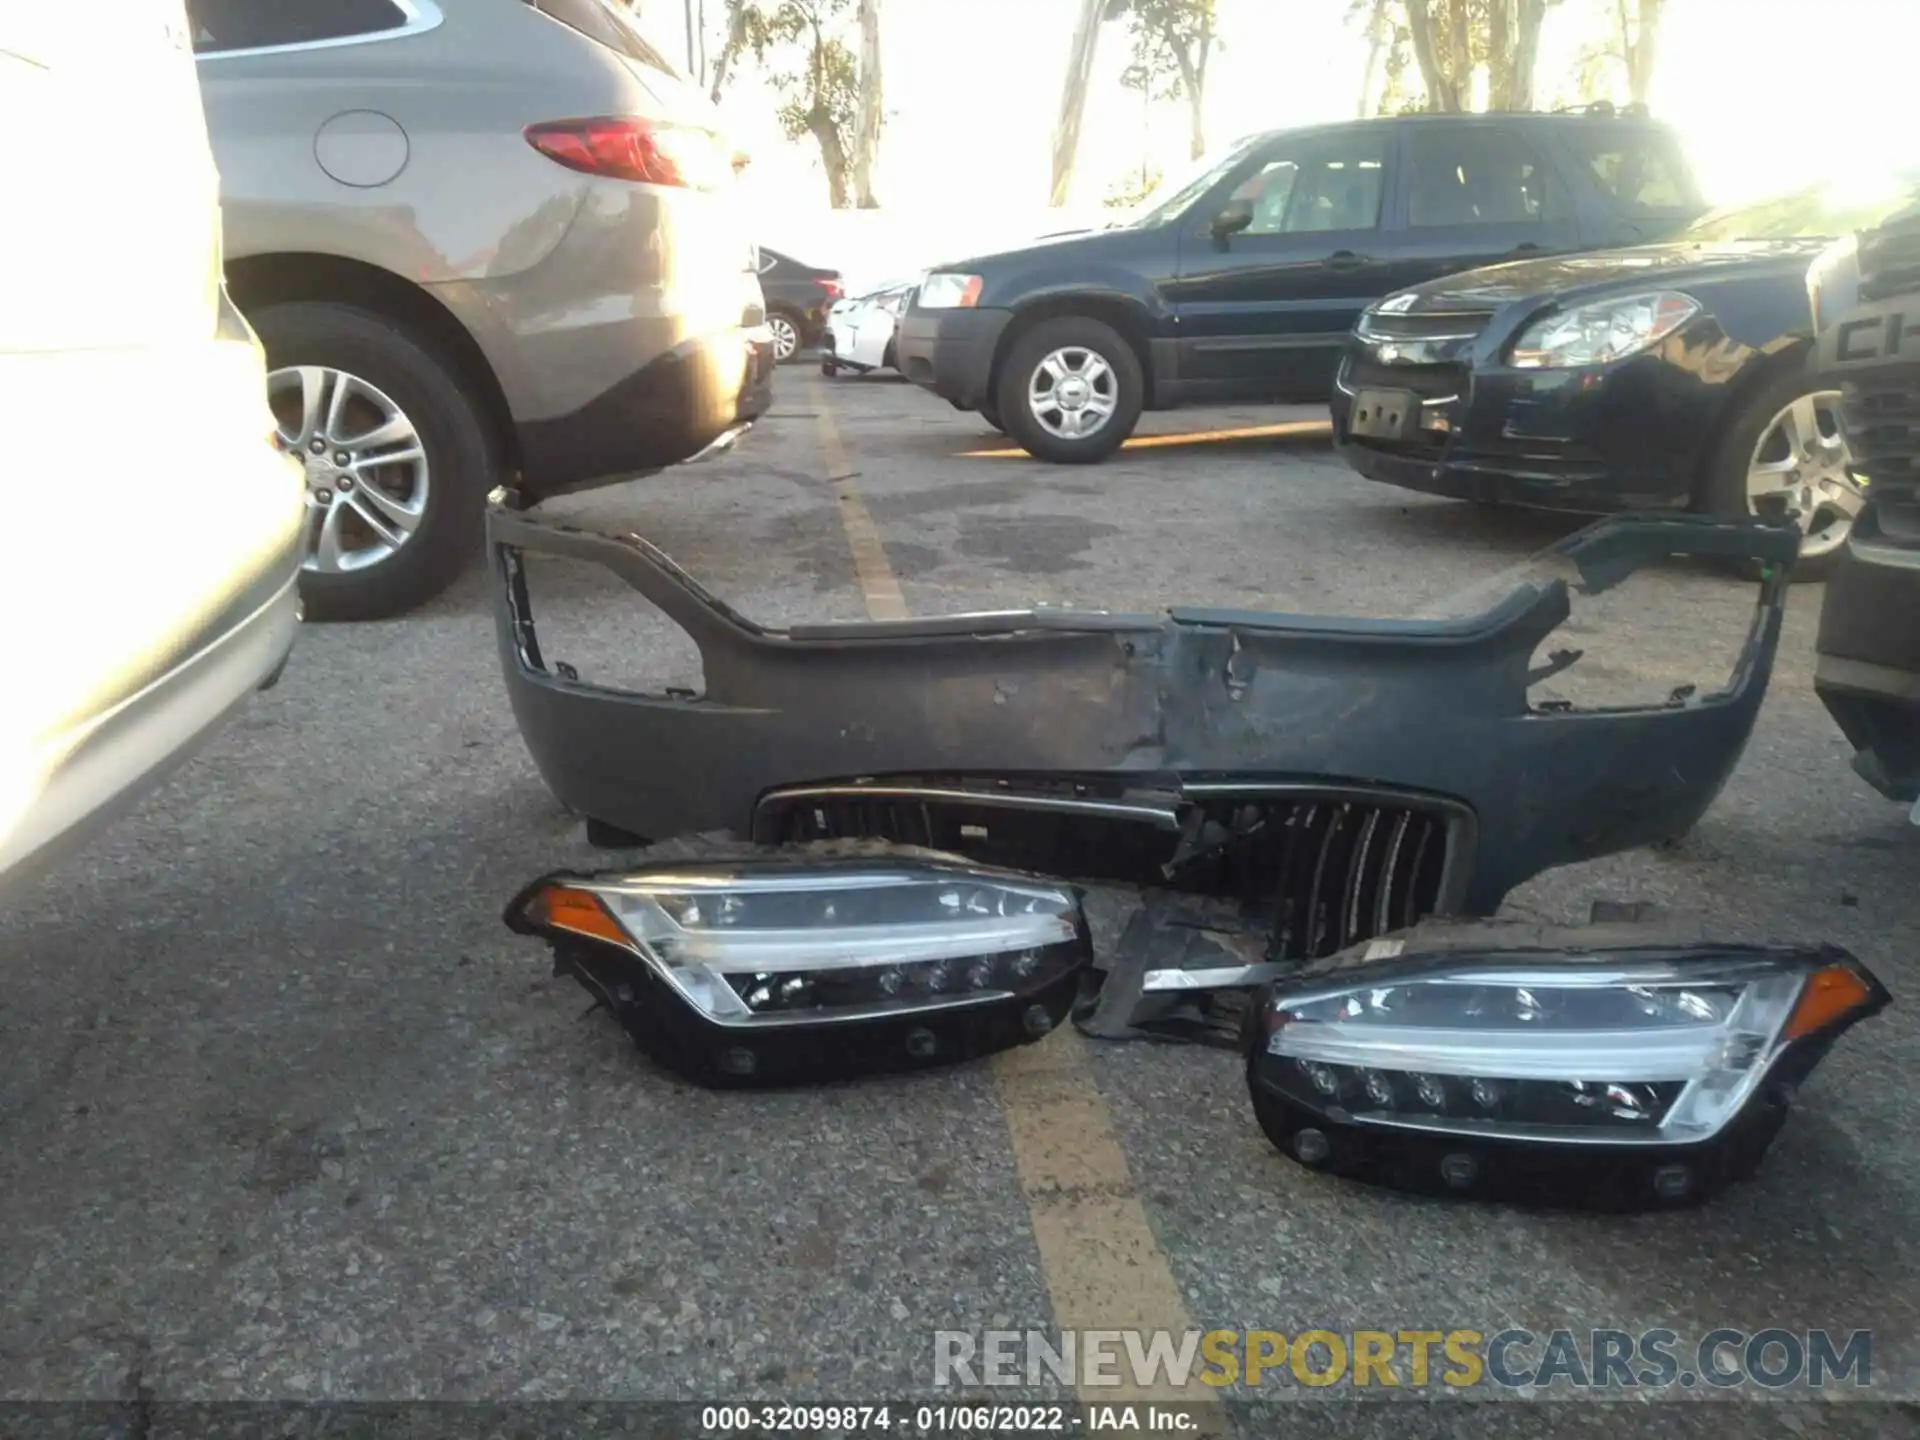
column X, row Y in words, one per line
column 877, row 581
column 1185, row 437
column 1103, row 1266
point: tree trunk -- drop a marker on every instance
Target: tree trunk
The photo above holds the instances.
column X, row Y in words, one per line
column 687, row 6
column 1193, row 80
column 1526, row 51
column 866, row 124
column 1376, row 46
column 729, row 48
column 1500, row 70
column 833, row 155
column 1641, row 53
column 1513, row 48
column 700, row 29
column 1460, row 62
column 1073, row 98
column 1439, row 87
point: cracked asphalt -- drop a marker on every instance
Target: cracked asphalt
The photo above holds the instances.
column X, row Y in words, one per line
column 289, row 1114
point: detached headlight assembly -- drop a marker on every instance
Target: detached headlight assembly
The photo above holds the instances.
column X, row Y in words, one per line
column 1617, row 1079
column 1604, row 331
column 945, row 291
column 777, row 969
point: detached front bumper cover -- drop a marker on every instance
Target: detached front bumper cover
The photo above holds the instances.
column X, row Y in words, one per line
column 1351, row 776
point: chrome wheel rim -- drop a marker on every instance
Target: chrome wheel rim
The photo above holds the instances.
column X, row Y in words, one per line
column 786, row 339
column 1073, row 392
column 1801, row 464
column 367, row 476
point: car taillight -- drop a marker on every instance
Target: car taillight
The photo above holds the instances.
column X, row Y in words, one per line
column 835, row 290
column 626, row 147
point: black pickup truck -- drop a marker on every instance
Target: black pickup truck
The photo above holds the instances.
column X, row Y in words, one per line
column 1242, row 283
column 1866, row 303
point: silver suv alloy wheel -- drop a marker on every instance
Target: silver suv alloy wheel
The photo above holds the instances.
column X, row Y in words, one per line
column 1801, row 463
column 367, row 477
column 1073, row 392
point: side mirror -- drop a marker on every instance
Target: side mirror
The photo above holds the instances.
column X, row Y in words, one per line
column 1237, row 216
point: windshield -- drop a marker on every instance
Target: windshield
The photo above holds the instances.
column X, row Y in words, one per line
column 1164, row 203
column 1640, row 166
column 1824, row 211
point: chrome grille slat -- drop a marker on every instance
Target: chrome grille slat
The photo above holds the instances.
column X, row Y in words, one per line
column 1316, row 908
column 1383, row 904
column 1411, row 914
column 1356, row 878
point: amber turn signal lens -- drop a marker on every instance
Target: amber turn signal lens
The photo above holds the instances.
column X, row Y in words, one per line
column 580, row 911
column 1829, row 994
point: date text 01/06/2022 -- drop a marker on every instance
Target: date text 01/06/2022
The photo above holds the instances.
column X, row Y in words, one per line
column 949, row 1419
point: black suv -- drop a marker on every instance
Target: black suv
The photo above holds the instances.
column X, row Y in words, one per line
column 1866, row 303
column 1243, row 283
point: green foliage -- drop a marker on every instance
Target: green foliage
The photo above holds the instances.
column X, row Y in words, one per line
column 1132, row 189
column 1171, row 41
column 815, row 73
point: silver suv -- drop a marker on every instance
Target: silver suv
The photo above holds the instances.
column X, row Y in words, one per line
column 492, row 240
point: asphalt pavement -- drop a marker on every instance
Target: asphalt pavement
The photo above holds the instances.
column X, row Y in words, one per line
column 289, row 1114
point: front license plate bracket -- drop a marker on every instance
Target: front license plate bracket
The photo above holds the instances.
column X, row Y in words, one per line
column 1385, row 414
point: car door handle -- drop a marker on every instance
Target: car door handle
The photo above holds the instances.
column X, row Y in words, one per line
column 1345, row 260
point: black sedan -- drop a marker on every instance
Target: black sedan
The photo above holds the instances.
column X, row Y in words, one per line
column 798, row 297
column 1668, row 376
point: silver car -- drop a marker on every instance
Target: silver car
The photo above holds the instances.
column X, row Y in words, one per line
column 495, row 240
column 149, row 573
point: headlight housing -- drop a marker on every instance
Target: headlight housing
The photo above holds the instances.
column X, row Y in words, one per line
column 1603, row 331
column 943, row 290
column 1833, row 281
column 797, row 966
column 1625, row 1077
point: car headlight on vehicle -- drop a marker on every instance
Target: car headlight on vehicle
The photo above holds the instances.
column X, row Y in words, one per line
column 1832, row 281
column 1622, row 1078
column 946, row 291
column 1603, row 331
column 786, row 967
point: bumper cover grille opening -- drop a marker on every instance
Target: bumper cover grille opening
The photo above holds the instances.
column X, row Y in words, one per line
column 1316, row 870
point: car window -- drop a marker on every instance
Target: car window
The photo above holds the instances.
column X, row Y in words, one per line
column 1641, row 168
column 220, row 25
column 1474, row 175
column 1169, row 201
column 1325, row 185
column 609, row 23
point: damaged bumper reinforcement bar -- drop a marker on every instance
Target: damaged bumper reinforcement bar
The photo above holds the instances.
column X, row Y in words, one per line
column 1348, row 777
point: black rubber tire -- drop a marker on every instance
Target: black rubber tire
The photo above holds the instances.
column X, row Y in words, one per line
column 463, row 454
column 991, row 414
column 1723, row 485
column 829, row 368
column 1010, row 398
column 890, row 358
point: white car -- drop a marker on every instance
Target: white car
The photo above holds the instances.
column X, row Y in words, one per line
column 860, row 331
column 152, row 558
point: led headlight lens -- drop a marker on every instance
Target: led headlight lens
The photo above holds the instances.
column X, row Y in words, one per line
column 1465, row 1071
column 1604, row 331
column 943, row 290
column 925, row 959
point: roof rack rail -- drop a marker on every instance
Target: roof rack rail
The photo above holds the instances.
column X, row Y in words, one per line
column 1604, row 108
